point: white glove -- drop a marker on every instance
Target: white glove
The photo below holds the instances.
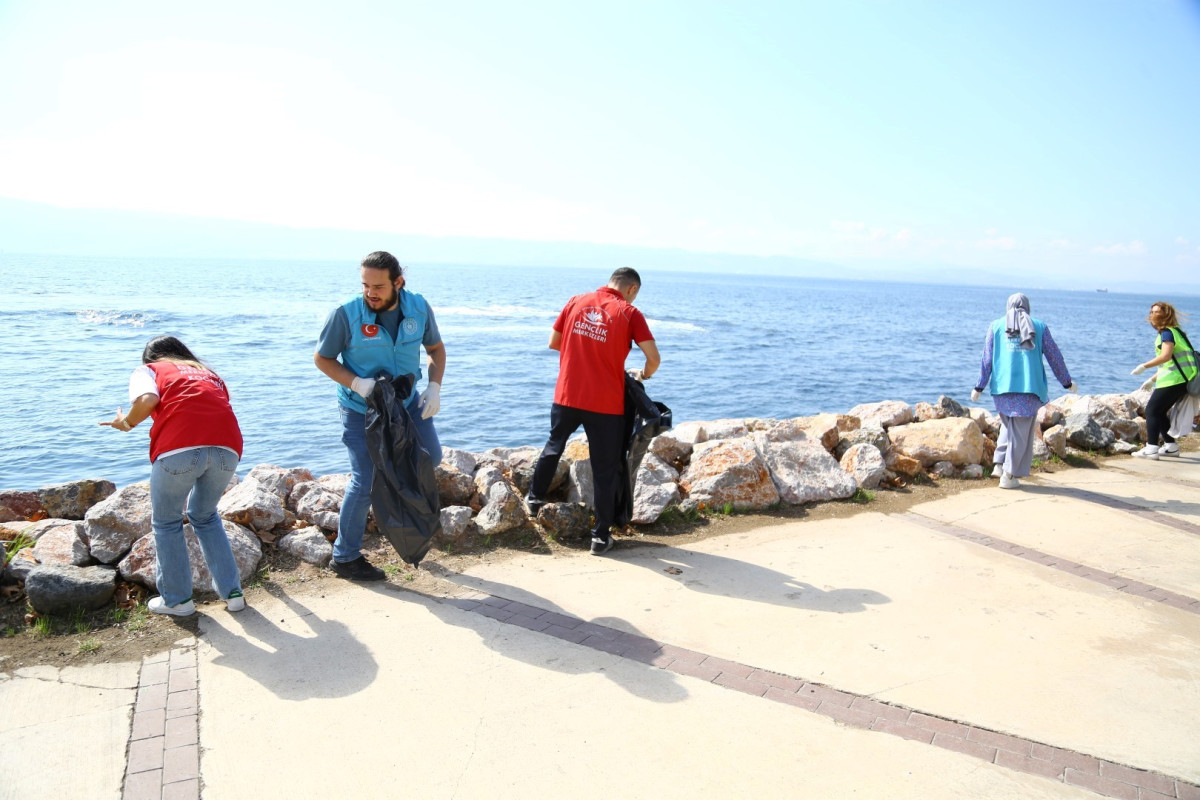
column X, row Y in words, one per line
column 636, row 374
column 975, row 395
column 362, row 386
column 1138, row 370
column 1073, row 388
column 431, row 400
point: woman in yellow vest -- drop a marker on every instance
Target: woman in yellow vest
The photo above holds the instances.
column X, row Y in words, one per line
column 1172, row 353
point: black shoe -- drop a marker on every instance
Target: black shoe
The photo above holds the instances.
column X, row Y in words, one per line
column 532, row 507
column 601, row 546
column 358, row 570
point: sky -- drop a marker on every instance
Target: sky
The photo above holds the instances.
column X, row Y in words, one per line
column 1055, row 136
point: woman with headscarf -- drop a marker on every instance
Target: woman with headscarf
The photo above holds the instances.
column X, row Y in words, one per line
column 1176, row 362
column 195, row 446
column 1014, row 373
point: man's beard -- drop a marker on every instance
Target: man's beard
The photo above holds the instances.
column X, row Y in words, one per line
column 385, row 305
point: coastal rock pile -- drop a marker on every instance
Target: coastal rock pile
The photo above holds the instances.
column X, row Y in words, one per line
column 81, row 537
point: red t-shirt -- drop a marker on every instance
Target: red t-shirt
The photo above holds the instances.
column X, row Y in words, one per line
column 193, row 411
column 598, row 330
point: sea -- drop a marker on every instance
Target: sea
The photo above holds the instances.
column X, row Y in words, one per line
column 72, row 329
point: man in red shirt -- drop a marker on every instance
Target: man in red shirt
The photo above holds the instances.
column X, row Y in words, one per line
column 593, row 334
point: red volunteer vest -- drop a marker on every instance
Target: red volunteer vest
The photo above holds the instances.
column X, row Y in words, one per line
column 193, row 411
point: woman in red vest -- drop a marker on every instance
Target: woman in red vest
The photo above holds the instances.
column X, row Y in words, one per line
column 195, row 446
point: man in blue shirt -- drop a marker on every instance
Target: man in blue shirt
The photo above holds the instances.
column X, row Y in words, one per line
column 379, row 333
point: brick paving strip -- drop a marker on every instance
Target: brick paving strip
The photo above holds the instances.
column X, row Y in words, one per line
column 1126, row 506
column 163, row 759
column 1106, row 778
column 1109, row 579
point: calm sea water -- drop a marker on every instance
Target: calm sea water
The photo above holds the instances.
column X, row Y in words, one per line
column 71, row 330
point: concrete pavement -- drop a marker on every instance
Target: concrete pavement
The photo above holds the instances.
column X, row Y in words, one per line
column 1043, row 642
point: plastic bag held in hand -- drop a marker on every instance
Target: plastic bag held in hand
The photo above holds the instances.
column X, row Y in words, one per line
column 1138, row 370
column 431, row 400
column 362, row 386
column 975, row 395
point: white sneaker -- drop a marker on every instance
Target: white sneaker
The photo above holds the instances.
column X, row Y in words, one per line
column 236, row 601
column 184, row 609
column 1149, row 451
column 1169, row 450
column 1007, row 481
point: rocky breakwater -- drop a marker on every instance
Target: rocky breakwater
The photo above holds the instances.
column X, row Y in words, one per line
column 69, row 545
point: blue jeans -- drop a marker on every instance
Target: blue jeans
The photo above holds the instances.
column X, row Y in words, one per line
column 352, row 520
column 204, row 472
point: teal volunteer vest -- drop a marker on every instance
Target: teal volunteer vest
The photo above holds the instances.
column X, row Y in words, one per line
column 1015, row 370
column 372, row 351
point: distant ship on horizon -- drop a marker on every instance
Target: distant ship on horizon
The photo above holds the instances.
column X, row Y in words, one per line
column 1102, row 290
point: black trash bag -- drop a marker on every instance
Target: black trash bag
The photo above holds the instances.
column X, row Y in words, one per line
column 644, row 419
column 404, row 494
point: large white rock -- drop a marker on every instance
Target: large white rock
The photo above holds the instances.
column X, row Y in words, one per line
column 885, row 413
column 728, row 472
column 252, row 505
column 954, row 439
column 654, row 489
column 461, row 460
column 580, row 486
column 456, row 522
column 278, row 480
column 307, row 544
column 115, row 523
column 804, row 471
column 669, row 448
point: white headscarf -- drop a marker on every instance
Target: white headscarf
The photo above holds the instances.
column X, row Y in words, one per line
column 1017, row 322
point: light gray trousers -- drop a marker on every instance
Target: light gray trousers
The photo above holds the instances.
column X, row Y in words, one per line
column 1014, row 445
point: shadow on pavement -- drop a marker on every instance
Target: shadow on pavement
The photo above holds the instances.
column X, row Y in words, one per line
column 293, row 666
column 1134, row 503
column 643, row 681
column 728, row 577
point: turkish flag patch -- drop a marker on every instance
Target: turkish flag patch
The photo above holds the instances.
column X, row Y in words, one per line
column 370, row 330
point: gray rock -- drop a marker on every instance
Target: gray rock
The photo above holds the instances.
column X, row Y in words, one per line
column 670, row 449
column 72, row 500
column 65, row 589
column 279, row 481
column 114, row 524
column 486, row 477
column 454, row 487
column 950, row 407
column 36, row 530
column 873, row 435
column 307, row 544
column 581, row 487
column 561, row 520
column 461, row 460
column 690, row 432
column 971, row 472
column 63, row 546
column 865, row 464
column 316, row 504
column 336, row 482
column 654, row 489
column 1086, row 433
column 1122, row 448
column 943, row 469
column 1041, row 451
column 503, row 510
column 456, row 523
column 21, row 564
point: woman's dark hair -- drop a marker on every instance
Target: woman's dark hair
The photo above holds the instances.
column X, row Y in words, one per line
column 168, row 348
column 381, row 259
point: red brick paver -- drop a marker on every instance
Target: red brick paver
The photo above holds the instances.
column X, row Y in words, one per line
column 163, row 759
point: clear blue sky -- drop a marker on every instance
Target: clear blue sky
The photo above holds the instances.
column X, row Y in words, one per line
column 1053, row 136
